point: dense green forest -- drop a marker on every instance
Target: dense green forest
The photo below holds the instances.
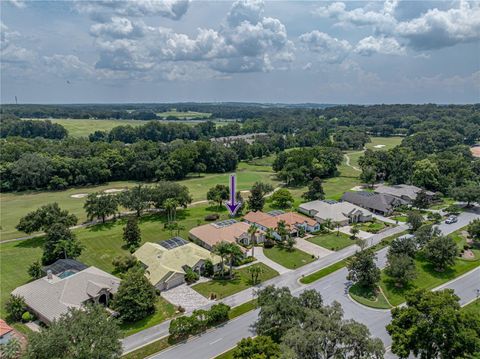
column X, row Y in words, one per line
column 434, row 153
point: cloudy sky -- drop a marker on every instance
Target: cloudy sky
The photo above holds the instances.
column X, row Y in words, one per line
column 247, row 50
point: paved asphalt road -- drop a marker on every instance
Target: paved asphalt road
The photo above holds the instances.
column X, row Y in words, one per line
column 332, row 287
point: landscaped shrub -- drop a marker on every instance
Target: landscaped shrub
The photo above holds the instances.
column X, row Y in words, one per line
column 208, row 269
column 15, row 307
column 269, row 243
column 212, row 217
column 453, row 209
column 123, row 263
column 26, row 317
column 191, row 276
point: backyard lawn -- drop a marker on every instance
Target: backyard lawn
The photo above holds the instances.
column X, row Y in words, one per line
column 332, row 241
column 289, row 259
column 242, row 280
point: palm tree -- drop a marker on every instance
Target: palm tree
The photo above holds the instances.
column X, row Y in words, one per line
column 222, row 249
column 338, row 225
column 171, row 208
column 354, row 231
column 282, row 230
column 252, row 231
column 63, row 246
column 328, row 223
column 255, row 272
column 234, row 252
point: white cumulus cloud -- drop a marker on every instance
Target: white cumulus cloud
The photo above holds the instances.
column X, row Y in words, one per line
column 379, row 45
column 329, row 49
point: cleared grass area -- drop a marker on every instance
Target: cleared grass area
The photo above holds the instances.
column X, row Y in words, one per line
column 427, row 278
column 184, row 115
column 150, row 349
column 289, row 259
column 387, row 142
column 473, row 307
column 242, row 309
column 165, row 310
column 84, row 127
column 445, row 202
column 227, row 355
column 333, row 240
column 242, row 280
column 400, row 218
column 373, row 227
column 324, row 272
column 368, row 297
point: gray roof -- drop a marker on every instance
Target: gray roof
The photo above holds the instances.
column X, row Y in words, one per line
column 335, row 211
column 376, row 201
column 401, row 190
column 53, row 297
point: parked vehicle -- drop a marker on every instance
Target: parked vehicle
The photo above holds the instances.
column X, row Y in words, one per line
column 451, row 219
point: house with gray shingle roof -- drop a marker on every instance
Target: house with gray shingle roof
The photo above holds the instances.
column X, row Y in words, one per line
column 380, row 203
column 405, row 192
column 51, row 296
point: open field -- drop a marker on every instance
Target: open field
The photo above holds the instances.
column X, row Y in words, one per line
column 332, row 241
column 242, row 280
column 368, row 298
column 84, row 127
column 386, row 143
column 183, row 115
column 15, row 205
column 289, row 259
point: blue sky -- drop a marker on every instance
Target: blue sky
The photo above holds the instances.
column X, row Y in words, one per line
column 248, row 50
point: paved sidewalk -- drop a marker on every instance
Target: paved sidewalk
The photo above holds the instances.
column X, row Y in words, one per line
column 312, row 248
column 274, row 265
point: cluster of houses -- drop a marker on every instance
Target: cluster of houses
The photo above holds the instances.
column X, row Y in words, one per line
column 69, row 283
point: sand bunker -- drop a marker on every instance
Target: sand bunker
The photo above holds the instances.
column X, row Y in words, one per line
column 79, row 195
column 114, row 190
column 379, row 146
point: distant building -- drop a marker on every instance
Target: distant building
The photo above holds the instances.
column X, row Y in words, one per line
column 166, row 262
column 229, row 230
column 408, row 193
column 249, row 138
column 51, row 296
column 294, row 221
column 341, row 213
column 381, row 203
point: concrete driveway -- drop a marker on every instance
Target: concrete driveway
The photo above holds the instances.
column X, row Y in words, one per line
column 186, row 297
column 312, row 248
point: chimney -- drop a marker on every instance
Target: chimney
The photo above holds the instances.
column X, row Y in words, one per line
column 49, row 275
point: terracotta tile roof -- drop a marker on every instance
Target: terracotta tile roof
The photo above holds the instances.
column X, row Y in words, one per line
column 211, row 235
column 4, row 328
column 269, row 221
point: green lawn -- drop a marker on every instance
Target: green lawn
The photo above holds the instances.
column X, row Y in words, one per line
column 226, row 287
column 289, row 259
column 473, row 307
column 388, row 142
column 332, row 241
column 242, row 309
column 227, row 355
column 369, row 298
column 149, row 349
column 324, row 272
column 372, row 227
column 443, row 203
column 84, row 127
column 427, row 278
column 400, row 218
column 164, row 311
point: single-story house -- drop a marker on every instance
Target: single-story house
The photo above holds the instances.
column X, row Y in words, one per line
column 6, row 332
column 294, row 221
column 408, row 193
column 381, row 203
column 51, row 296
column 166, row 262
column 229, row 230
column 341, row 213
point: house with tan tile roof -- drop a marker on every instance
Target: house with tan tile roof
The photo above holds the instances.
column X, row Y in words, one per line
column 166, row 262
column 229, row 230
column 293, row 220
column 6, row 332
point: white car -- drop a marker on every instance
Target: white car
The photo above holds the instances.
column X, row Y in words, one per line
column 451, row 219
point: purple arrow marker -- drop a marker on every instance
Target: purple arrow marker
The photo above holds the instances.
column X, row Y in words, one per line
column 233, row 205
